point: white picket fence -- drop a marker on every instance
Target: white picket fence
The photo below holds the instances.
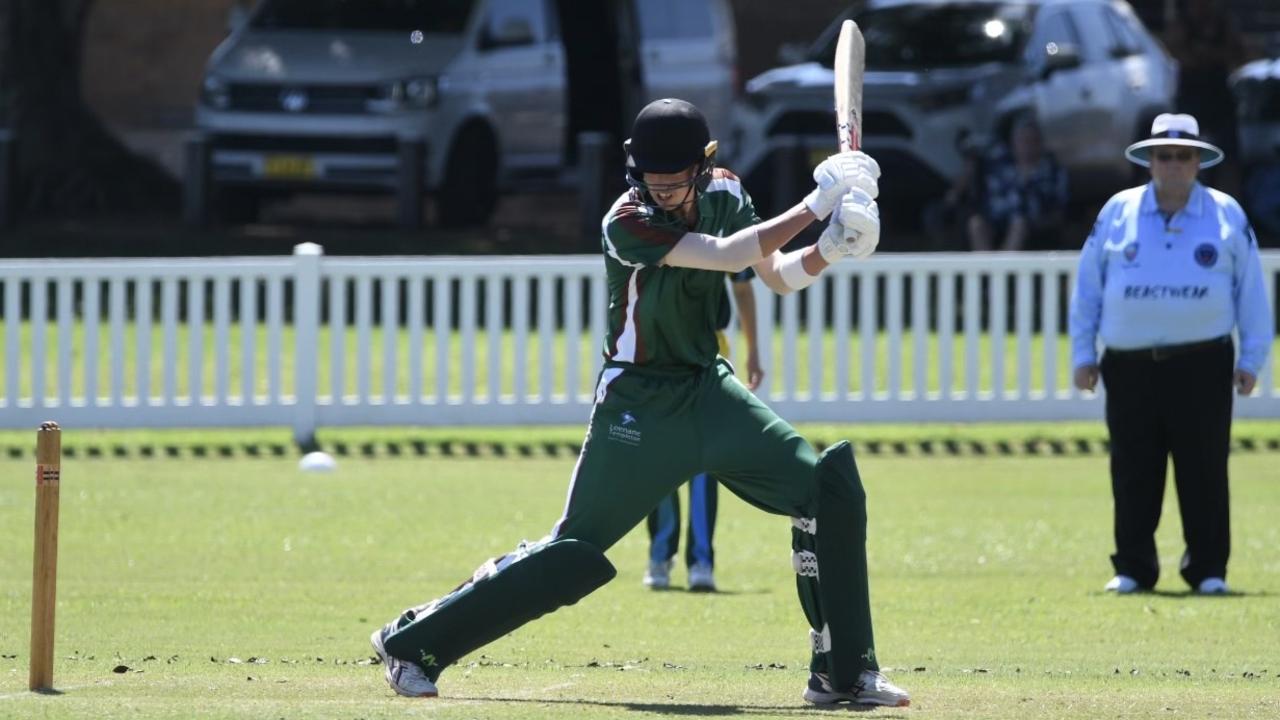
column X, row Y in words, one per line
column 312, row 341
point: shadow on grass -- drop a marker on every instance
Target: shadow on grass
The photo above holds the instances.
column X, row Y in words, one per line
column 1190, row 594
column 680, row 590
column 703, row 710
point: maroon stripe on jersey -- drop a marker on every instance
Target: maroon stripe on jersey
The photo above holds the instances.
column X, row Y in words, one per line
column 635, row 223
column 620, row 323
column 641, row 276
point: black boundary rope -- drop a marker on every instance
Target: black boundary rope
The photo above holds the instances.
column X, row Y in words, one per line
column 410, row 448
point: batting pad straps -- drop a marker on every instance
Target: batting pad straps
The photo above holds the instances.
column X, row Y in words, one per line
column 805, row 563
column 821, row 641
column 502, row 595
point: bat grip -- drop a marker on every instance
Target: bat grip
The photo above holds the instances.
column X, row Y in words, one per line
column 847, row 138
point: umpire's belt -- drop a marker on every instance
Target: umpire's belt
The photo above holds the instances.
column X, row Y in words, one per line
column 1164, row 352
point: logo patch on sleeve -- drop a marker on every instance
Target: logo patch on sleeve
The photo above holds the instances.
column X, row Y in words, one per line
column 1206, row 255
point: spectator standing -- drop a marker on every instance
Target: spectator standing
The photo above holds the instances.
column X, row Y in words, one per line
column 1205, row 41
column 945, row 219
column 1023, row 194
column 1169, row 270
column 664, row 522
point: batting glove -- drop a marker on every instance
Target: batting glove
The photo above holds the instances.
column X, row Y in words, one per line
column 838, row 175
column 854, row 231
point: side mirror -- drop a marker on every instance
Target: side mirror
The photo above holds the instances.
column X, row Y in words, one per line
column 791, row 54
column 1058, row 57
column 512, row 31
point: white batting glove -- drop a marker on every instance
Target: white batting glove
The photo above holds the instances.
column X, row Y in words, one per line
column 838, row 175
column 854, row 231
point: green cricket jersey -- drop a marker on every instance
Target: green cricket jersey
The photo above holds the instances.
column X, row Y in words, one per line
column 664, row 318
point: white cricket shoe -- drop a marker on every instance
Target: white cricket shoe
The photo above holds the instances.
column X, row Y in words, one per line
column 1213, row 586
column 701, row 578
column 658, row 576
column 406, row 678
column 872, row 688
column 1121, row 585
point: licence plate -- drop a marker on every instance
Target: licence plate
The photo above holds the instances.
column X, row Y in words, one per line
column 289, row 167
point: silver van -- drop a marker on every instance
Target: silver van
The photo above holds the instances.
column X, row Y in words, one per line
column 337, row 95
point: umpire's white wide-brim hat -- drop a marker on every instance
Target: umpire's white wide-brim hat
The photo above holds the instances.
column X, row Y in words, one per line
column 1171, row 129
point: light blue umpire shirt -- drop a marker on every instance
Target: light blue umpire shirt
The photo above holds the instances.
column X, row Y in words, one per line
column 1145, row 281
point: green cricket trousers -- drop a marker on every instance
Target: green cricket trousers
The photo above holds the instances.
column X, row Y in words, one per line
column 649, row 433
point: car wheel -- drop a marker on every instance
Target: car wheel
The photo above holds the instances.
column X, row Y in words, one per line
column 468, row 194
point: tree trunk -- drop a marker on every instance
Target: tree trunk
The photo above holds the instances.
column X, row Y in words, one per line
column 66, row 162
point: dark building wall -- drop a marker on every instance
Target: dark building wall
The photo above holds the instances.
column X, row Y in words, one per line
column 144, row 59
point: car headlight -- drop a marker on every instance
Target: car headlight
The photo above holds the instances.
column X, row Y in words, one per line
column 215, row 93
column 420, row 92
column 414, row 92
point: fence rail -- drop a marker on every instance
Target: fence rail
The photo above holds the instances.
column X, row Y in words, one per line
column 312, row 341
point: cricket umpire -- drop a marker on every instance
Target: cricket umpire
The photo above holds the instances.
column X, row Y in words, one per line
column 1170, row 269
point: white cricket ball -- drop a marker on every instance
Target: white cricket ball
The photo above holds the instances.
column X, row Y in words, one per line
column 317, row 462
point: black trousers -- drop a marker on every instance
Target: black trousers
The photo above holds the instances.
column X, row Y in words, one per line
column 1160, row 405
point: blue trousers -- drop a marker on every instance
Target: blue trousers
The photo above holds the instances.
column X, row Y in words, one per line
column 664, row 524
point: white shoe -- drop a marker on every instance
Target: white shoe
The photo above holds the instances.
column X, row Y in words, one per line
column 1213, row 586
column 658, row 576
column 701, row 578
column 872, row 688
column 406, row 678
column 1121, row 585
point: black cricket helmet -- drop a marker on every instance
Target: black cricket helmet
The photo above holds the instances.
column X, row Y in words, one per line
column 668, row 136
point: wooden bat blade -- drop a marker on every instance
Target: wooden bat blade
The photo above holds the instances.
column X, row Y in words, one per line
column 850, row 64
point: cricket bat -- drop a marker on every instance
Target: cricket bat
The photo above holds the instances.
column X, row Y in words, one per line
column 850, row 63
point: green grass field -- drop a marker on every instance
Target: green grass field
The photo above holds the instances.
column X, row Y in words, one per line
column 239, row 588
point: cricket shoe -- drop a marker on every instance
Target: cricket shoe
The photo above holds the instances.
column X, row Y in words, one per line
column 872, row 688
column 701, row 578
column 406, row 678
column 1121, row 585
column 658, row 576
column 1213, row 586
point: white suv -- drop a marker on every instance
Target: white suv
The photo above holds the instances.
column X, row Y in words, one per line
column 327, row 94
column 943, row 78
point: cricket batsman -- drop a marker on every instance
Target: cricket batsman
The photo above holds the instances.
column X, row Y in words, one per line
column 668, row 406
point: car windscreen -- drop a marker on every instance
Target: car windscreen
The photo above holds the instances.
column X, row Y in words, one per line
column 427, row 16
column 916, row 36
